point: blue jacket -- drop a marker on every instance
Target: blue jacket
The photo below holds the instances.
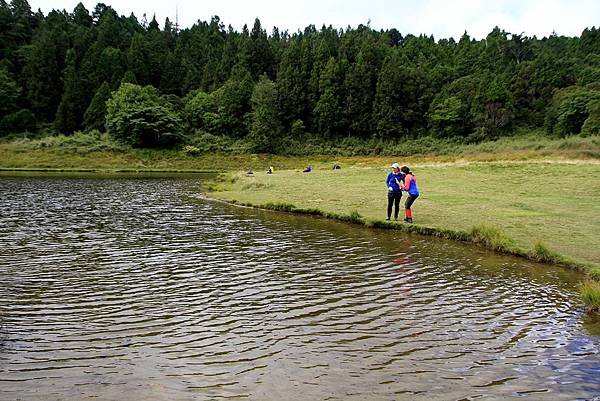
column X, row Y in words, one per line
column 410, row 185
column 391, row 181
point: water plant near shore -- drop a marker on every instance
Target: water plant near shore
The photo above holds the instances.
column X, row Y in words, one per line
column 493, row 238
column 590, row 295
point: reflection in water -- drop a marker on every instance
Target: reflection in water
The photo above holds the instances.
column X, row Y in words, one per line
column 130, row 289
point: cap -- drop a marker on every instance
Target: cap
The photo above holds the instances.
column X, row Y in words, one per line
column 395, row 165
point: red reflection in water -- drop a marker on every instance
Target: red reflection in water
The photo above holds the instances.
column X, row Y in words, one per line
column 403, row 261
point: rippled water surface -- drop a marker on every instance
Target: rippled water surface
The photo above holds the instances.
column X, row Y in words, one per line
column 132, row 288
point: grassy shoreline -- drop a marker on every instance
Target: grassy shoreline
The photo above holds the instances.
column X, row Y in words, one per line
column 488, row 237
column 520, row 208
column 104, row 170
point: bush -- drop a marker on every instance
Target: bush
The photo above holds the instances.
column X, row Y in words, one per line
column 209, row 143
column 138, row 116
column 191, row 150
column 20, row 121
column 201, row 112
column 591, row 126
column 79, row 142
column 570, row 109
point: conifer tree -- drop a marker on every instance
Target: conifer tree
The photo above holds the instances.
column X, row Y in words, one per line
column 95, row 115
column 69, row 115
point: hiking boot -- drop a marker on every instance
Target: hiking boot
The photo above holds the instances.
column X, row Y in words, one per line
column 388, row 219
column 408, row 220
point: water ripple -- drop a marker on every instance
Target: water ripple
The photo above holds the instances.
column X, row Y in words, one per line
column 122, row 288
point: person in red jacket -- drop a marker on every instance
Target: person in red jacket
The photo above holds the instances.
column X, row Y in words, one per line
column 409, row 185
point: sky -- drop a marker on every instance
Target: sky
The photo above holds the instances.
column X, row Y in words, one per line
column 443, row 19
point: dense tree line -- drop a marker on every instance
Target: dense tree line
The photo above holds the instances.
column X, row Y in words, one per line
column 150, row 85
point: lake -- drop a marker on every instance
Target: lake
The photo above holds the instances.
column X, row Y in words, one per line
column 134, row 287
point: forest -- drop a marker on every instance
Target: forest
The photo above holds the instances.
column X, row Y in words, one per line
column 155, row 85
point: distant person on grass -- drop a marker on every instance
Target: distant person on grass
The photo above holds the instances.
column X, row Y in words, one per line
column 393, row 182
column 409, row 185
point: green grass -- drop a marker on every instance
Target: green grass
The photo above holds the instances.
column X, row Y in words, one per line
column 99, row 152
column 493, row 238
column 590, row 295
column 544, row 210
column 96, row 151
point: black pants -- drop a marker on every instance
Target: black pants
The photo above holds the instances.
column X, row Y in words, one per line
column 410, row 200
column 393, row 199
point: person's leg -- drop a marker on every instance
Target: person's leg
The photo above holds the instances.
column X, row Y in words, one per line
column 397, row 204
column 390, row 202
column 409, row 201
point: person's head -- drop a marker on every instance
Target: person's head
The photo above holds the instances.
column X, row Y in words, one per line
column 405, row 170
column 395, row 168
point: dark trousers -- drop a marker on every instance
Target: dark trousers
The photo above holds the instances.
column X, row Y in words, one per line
column 393, row 199
column 410, row 200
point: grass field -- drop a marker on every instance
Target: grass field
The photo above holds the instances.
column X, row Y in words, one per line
column 552, row 203
column 97, row 151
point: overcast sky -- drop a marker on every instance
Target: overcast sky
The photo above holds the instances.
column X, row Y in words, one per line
column 441, row 18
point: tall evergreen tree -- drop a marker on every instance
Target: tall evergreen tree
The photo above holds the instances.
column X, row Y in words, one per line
column 95, row 115
column 292, row 86
column 69, row 115
column 360, row 86
column 329, row 109
column 44, row 63
column 266, row 127
column 9, row 93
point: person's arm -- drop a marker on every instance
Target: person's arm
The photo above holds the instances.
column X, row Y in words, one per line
column 407, row 180
column 388, row 184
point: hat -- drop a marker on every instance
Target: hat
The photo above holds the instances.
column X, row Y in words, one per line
column 395, row 165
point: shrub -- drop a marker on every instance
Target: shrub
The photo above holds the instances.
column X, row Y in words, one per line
column 570, row 109
column 591, row 126
column 138, row 116
column 200, row 112
column 191, row 150
column 20, row 121
column 79, row 142
column 209, row 143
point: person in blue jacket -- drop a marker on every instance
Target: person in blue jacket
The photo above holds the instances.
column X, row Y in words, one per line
column 393, row 182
